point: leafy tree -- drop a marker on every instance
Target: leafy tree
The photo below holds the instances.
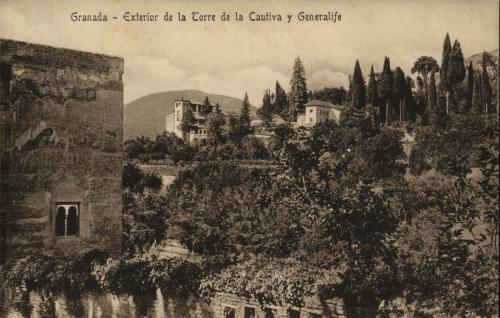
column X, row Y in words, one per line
column 358, row 88
column 425, row 65
column 399, row 90
column 136, row 181
column 298, row 89
column 385, row 87
column 139, row 148
column 253, row 148
column 216, row 128
column 188, row 121
column 265, row 112
column 334, row 95
column 372, row 97
column 236, row 130
column 206, row 108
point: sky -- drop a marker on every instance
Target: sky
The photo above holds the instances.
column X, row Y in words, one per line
column 232, row 58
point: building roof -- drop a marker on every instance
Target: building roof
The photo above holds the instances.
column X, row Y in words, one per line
column 193, row 102
column 321, row 103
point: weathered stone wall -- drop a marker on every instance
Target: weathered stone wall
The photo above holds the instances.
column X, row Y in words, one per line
column 96, row 305
column 61, row 114
column 313, row 308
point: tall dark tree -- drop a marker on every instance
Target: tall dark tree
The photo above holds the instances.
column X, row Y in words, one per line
column 265, row 112
column 298, row 89
column 486, row 86
column 432, row 93
column 470, row 86
column 245, row 114
column 217, row 108
column 280, row 101
column 399, row 90
column 385, row 87
column 445, row 62
column 477, row 102
column 410, row 104
column 358, row 88
column 206, row 108
column 348, row 100
column 454, row 68
column 372, row 90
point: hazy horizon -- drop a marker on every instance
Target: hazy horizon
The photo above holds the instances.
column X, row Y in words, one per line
column 231, row 58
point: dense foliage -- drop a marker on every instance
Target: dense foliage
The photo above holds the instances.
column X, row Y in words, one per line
column 224, row 143
column 94, row 271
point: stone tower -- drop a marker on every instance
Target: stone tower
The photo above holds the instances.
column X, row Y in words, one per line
column 61, row 115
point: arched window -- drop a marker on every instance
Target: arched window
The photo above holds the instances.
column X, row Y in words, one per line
column 60, row 221
column 72, row 221
column 67, row 219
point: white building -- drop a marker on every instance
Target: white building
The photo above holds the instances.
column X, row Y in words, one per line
column 173, row 121
column 317, row 111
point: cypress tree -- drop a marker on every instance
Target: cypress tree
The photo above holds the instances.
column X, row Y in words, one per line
column 358, row 88
column 265, row 112
column 372, row 90
column 445, row 64
column 348, row 100
column 298, row 89
column 476, row 96
column 410, row 104
column 385, row 87
column 432, row 93
column 454, row 69
column 486, row 86
column 217, row 108
column 245, row 112
column 470, row 86
column 280, row 101
column 399, row 89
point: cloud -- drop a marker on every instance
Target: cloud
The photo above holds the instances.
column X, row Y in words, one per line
column 327, row 78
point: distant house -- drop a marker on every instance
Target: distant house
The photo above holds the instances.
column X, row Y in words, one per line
column 173, row 120
column 317, row 111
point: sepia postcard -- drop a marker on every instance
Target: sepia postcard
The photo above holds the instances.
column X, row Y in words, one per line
column 249, row 159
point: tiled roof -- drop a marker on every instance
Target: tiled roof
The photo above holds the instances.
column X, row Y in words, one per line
column 317, row 102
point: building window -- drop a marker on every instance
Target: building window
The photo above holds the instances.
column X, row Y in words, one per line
column 270, row 313
column 229, row 312
column 249, row 312
column 311, row 119
column 311, row 110
column 67, row 219
column 292, row 313
column 313, row 315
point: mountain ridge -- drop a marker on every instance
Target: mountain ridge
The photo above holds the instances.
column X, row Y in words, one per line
column 145, row 116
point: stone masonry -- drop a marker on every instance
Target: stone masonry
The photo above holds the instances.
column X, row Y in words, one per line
column 61, row 115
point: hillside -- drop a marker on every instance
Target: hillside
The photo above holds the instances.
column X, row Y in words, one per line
column 145, row 116
column 477, row 59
